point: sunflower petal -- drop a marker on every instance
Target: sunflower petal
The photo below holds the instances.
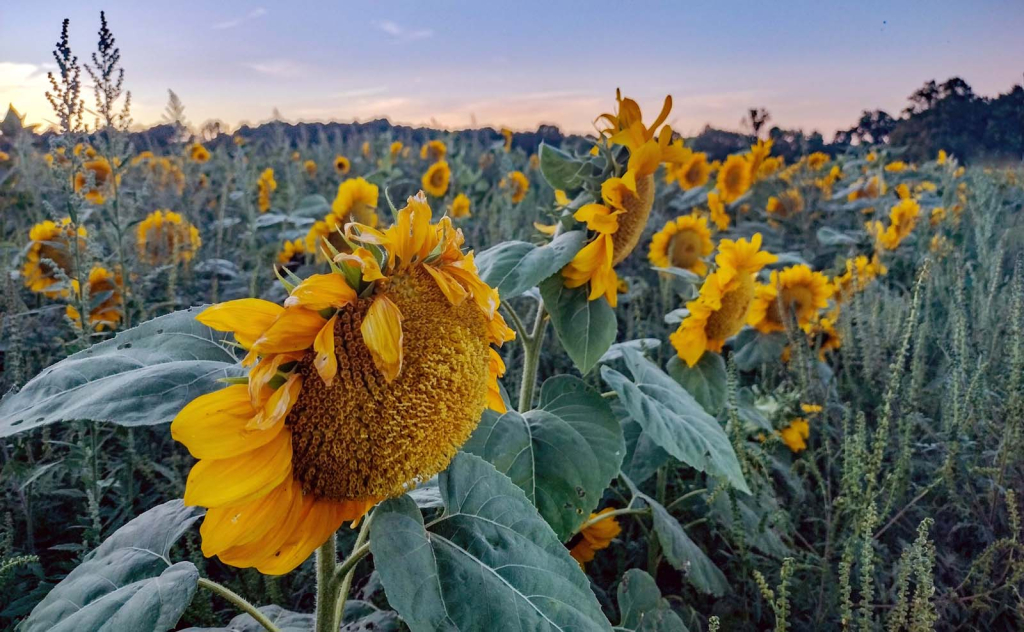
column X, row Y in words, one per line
column 247, row 318
column 323, row 519
column 382, row 334
column 234, row 525
column 218, row 482
column 294, row 330
column 325, row 362
column 321, row 291
column 279, row 404
column 214, row 426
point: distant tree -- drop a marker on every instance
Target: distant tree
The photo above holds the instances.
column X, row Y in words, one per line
column 756, row 119
column 872, row 128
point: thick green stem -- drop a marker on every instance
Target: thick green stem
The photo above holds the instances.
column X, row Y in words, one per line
column 326, row 563
column 531, row 358
column 240, row 602
column 347, row 571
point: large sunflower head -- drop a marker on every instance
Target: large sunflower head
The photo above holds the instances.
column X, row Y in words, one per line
column 684, row 242
column 104, row 299
column 49, row 256
column 166, row 237
column 356, row 201
column 734, row 178
column 93, row 180
column 796, row 293
column 721, row 309
column 435, row 179
column 366, row 381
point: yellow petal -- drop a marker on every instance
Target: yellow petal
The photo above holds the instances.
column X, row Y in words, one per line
column 294, row 330
column 264, row 371
column 321, row 291
column 250, row 552
column 382, row 334
column 325, row 362
column 234, row 525
column 215, row 425
column 218, row 482
column 544, row 228
column 320, row 523
column 279, row 404
column 449, row 285
column 247, row 318
column 644, row 160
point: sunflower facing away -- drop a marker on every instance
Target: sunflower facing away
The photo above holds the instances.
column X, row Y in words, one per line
column 725, row 298
column 795, row 294
column 435, row 179
column 366, row 381
column 166, row 237
column 104, row 298
column 49, row 255
column 93, row 180
column 460, row 206
column 860, row 272
column 434, row 151
column 788, row 203
column 356, row 201
column 292, row 254
column 682, row 243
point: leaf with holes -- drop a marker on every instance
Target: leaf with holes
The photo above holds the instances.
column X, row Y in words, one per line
column 140, row 377
column 586, row 328
column 490, row 560
column 563, row 455
column 513, row 267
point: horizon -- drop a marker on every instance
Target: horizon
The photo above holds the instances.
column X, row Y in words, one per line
column 257, row 59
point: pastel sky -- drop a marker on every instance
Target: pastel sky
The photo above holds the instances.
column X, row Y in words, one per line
column 813, row 64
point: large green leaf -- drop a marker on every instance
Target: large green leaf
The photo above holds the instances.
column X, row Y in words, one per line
column 488, row 563
column 561, row 170
column 706, row 380
column 682, row 553
column 359, row 615
column 128, row 582
column 643, row 455
column 673, row 418
column 514, row 267
column 642, row 608
column 139, row 377
column 754, row 348
column 586, row 328
column 562, row 455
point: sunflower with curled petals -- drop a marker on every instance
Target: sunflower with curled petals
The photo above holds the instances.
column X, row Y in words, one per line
column 365, row 382
column 721, row 309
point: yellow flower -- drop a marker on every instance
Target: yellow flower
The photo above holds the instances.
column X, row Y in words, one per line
column 942, row 157
column 356, row 201
column 817, row 160
column 296, row 156
column 682, row 243
column 4, row 156
column 366, row 149
column 310, row 167
column 871, row 157
column 720, row 311
column 292, row 254
column 811, row 409
column 938, row 214
column 733, row 178
column 595, row 537
column 342, row 165
column 717, row 211
column 860, row 272
column 759, row 153
column 329, row 230
column 561, row 199
column 769, row 167
column 519, row 184
column 788, row 203
column 460, row 206
column 902, row 220
column 198, row 153
column 265, row 186
column 795, row 435
column 238, row 140
column 794, row 294
column 395, row 149
column 435, row 180
column 166, row 237
column 507, row 133
column 896, row 166
column 101, row 172
column 902, row 191
column 867, row 190
column 534, row 162
column 695, row 172
column 435, row 150
column 104, row 298
column 49, row 256
column 939, row 245
column 354, row 393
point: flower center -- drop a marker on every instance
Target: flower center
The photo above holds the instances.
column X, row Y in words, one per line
column 685, row 249
column 634, row 220
column 728, row 320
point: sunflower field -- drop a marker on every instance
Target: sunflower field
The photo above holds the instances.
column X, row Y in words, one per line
column 431, row 380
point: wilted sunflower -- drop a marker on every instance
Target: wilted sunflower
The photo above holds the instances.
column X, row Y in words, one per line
column 725, row 298
column 95, row 190
column 292, row 254
column 49, row 256
column 796, row 293
column 342, row 165
column 788, row 203
column 695, row 172
column 795, row 435
column 166, row 237
column 198, row 153
column 434, row 151
column 595, row 537
column 902, row 220
column 367, row 381
column 682, row 243
column 356, row 201
column 265, row 186
column 104, row 299
column 435, row 179
column 733, row 178
column 460, row 206
column 519, row 185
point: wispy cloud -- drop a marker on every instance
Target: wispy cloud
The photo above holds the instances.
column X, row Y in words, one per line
column 399, row 32
column 279, row 68
column 242, row 19
column 358, row 92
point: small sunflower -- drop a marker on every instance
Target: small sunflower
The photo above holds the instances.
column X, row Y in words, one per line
column 817, row 160
column 198, row 153
column 717, row 211
column 434, row 151
column 788, row 203
column 367, row 151
column 356, row 391
column 342, row 165
column 460, row 206
column 507, row 134
column 902, row 220
column 166, row 237
column 595, row 537
column 519, row 186
column 869, row 190
column 795, row 435
column 328, row 230
column 942, row 157
column 435, row 180
column 105, row 299
column 733, row 178
column 356, row 201
column 264, row 187
column 796, row 293
column 860, row 272
column 292, row 254
column 824, row 334
column 759, row 153
column 310, row 167
column 682, row 243
column 395, row 149
column 896, row 166
column 720, row 311
column 49, row 256
column 695, row 172
column 100, row 171
column 534, row 162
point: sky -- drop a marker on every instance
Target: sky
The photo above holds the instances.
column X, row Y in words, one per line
column 815, row 65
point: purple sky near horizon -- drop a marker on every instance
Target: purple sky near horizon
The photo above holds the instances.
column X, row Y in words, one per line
column 813, row 65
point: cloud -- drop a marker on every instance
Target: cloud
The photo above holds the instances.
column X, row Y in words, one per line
column 238, row 21
column 279, row 68
column 401, row 33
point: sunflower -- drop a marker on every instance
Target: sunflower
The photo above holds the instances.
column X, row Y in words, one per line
column 292, row 254
column 830, row 340
column 870, row 189
column 595, row 537
column 817, row 160
column 355, row 392
column 942, row 157
column 717, row 211
column 787, row 204
column 265, row 186
column 769, row 167
column 733, row 178
column 860, row 272
column 104, row 296
column 759, row 153
column 795, row 435
column 296, row 156
column 94, row 190
column 166, row 237
column 896, row 166
column 395, row 149
column 460, row 206
column 434, row 151
column 695, row 172
column 49, row 256
column 794, row 293
column 310, row 167
column 356, row 201
column 519, row 185
column 507, row 134
column 198, row 153
column 534, row 162
column 342, row 165
column 720, row 311
column 328, row 230
column 366, row 149
column 902, row 220
column 435, row 180
column 682, row 243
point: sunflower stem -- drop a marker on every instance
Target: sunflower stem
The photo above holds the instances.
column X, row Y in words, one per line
column 326, row 562
column 240, row 602
column 531, row 358
column 347, row 570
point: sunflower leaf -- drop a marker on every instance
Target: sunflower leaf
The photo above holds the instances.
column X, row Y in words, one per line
column 682, row 553
column 141, row 376
column 586, row 328
column 562, row 455
column 563, row 171
column 490, row 559
column 642, row 606
column 706, row 380
column 514, row 267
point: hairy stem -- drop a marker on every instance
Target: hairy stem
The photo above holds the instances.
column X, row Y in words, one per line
column 239, row 602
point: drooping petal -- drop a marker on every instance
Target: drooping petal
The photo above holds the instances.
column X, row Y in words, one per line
column 320, row 523
column 279, row 404
column 250, row 552
column 214, row 426
column 218, row 482
column 382, row 334
column 294, row 330
column 234, row 525
column 448, row 284
column 495, row 369
column 321, row 291
column 265, row 371
column 247, row 318
column 325, row 362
